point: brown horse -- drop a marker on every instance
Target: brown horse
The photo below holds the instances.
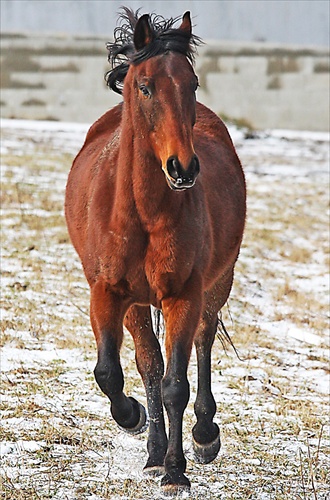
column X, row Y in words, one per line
column 155, row 206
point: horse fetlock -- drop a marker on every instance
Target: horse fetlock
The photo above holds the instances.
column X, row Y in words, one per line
column 206, row 451
column 130, row 415
column 175, row 463
column 109, row 378
column 205, row 431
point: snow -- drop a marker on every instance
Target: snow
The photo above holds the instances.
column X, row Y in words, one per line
column 45, row 126
column 303, row 336
column 283, row 365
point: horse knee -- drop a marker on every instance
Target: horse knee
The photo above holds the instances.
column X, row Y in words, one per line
column 175, row 393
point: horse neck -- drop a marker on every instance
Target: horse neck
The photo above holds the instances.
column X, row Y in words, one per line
column 141, row 180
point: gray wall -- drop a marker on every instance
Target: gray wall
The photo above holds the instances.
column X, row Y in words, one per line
column 303, row 22
column 269, row 86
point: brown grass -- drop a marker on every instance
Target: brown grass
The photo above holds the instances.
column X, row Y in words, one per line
column 273, row 420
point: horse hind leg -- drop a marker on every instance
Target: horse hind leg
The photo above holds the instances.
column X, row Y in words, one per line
column 150, row 365
column 206, row 434
column 107, row 312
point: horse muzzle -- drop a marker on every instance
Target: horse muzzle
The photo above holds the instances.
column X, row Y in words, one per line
column 179, row 178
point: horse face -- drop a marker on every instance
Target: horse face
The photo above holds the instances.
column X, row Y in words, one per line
column 165, row 89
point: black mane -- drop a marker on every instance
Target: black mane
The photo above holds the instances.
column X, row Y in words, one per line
column 122, row 51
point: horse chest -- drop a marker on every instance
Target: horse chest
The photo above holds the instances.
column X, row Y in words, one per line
column 167, row 265
column 146, row 268
column 122, row 261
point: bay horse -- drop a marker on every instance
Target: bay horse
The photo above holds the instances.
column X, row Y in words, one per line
column 155, row 208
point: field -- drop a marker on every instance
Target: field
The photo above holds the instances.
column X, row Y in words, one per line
column 57, row 438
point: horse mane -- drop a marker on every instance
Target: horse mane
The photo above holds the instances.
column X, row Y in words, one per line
column 122, row 51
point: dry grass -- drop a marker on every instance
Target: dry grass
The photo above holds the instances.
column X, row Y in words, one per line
column 57, row 438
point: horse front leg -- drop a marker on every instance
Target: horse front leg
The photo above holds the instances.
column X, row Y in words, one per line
column 149, row 361
column 107, row 312
column 182, row 316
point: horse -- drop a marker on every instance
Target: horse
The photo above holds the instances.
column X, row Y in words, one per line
column 155, row 208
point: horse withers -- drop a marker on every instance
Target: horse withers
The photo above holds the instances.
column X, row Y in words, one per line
column 155, row 207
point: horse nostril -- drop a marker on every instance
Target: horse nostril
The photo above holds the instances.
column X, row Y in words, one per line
column 182, row 178
column 173, row 166
column 194, row 165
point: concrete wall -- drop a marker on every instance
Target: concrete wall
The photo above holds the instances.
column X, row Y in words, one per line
column 304, row 22
column 270, row 86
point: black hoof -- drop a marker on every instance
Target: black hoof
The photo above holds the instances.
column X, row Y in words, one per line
column 175, row 486
column 206, row 453
column 142, row 424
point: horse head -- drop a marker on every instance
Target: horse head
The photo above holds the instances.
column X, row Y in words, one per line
column 160, row 90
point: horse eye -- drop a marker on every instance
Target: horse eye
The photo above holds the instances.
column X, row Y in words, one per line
column 145, row 91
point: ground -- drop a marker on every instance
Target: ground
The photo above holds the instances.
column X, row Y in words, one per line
column 58, row 440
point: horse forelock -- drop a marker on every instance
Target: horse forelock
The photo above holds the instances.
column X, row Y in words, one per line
column 166, row 38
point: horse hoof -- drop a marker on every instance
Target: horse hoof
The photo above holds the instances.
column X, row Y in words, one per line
column 174, row 488
column 206, row 453
column 154, row 470
column 142, row 424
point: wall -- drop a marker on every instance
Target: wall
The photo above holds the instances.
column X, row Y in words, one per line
column 270, row 86
column 304, row 22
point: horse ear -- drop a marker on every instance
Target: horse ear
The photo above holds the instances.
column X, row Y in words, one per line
column 143, row 33
column 186, row 23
